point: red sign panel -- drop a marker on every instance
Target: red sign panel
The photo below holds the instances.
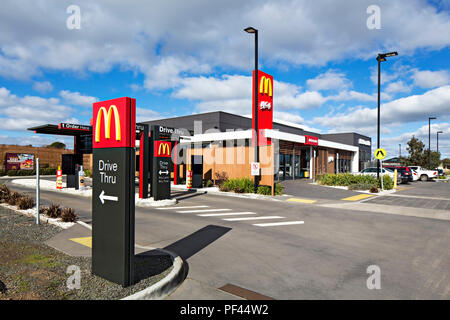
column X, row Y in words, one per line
column 265, row 105
column 311, row 141
column 162, row 149
column 114, row 123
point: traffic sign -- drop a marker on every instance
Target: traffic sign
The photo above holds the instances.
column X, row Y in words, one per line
column 380, row 154
column 255, row 168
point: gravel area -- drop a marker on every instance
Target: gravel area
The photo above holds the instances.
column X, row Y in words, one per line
column 31, row 270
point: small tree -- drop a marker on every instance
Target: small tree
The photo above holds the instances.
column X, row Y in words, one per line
column 57, row 145
column 415, row 149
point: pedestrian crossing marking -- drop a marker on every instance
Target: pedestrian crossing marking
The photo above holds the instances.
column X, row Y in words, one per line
column 206, row 210
column 253, row 218
column 176, row 208
column 225, row 214
column 358, row 197
column 275, row 224
column 301, row 200
column 85, row 241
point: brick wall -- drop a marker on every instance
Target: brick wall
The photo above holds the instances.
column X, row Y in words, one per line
column 50, row 157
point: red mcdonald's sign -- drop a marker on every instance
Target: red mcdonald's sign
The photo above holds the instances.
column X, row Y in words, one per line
column 265, row 105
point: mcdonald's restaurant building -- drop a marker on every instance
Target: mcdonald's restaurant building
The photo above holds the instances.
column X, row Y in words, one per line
column 224, row 142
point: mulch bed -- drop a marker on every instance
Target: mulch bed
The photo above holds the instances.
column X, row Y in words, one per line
column 29, row 269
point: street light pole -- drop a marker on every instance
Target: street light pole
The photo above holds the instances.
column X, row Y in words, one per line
column 437, row 140
column 255, row 111
column 429, row 141
column 380, row 58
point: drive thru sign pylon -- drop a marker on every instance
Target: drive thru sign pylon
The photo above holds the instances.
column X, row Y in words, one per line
column 113, row 190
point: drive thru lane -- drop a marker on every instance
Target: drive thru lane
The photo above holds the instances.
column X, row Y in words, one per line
column 324, row 258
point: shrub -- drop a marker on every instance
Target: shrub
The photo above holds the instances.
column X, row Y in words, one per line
column 2, row 173
column 238, row 185
column 388, row 183
column 361, row 186
column 208, row 184
column 373, row 189
column 47, row 171
column 345, row 179
column 11, row 173
column 68, row 215
column 25, row 203
column 220, row 177
column 88, row 173
column 53, row 211
column 267, row 190
column 4, row 193
column 13, row 199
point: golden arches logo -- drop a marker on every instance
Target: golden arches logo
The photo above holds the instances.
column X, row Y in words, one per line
column 265, row 86
column 165, row 148
column 107, row 115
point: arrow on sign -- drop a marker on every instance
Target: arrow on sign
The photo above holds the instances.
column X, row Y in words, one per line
column 165, row 172
column 380, row 152
column 103, row 197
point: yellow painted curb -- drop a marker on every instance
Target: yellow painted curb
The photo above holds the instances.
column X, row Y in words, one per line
column 358, row 197
column 85, row 241
column 301, row 200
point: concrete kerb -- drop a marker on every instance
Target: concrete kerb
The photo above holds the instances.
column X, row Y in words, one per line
column 165, row 286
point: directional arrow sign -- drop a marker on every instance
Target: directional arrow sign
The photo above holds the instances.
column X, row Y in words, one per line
column 380, row 154
column 103, row 197
column 165, row 172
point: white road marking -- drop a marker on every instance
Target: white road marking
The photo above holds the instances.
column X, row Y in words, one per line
column 207, row 210
column 176, row 208
column 224, row 214
column 278, row 224
column 253, row 218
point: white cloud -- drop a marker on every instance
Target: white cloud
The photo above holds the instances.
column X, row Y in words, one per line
column 144, row 114
column 234, row 93
column 400, row 111
column 201, row 36
column 20, row 113
column 42, row 87
column 352, row 95
column 397, row 87
column 75, row 98
column 430, row 79
column 329, row 80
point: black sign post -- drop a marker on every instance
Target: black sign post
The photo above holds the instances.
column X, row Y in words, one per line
column 113, row 211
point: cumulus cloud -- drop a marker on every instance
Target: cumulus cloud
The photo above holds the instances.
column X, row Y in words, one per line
column 202, row 36
column 42, row 87
column 400, row 111
column 20, row 113
column 430, row 79
column 329, row 80
column 75, row 98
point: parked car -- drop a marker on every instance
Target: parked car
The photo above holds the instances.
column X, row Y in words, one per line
column 441, row 172
column 372, row 171
column 402, row 170
column 415, row 175
column 424, row 175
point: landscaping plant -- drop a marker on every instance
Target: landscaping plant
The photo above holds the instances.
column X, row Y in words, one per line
column 68, row 215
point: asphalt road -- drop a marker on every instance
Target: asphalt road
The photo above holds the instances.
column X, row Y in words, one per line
column 325, row 258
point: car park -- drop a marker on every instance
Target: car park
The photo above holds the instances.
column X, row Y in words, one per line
column 424, row 175
column 406, row 171
column 372, row 171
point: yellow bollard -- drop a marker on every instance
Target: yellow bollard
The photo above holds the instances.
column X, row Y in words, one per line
column 395, row 179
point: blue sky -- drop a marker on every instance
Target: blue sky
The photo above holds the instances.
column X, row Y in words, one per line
column 184, row 57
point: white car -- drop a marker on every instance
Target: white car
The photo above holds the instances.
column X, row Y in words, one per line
column 372, row 171
column 423, row 174
column 415, row 175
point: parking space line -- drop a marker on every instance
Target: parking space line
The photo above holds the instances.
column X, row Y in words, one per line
column 253, row 218
column 175, row 208
column 301, row 200
column 358, row 197
column 275, row 224
column 206, row 210
column 225, row 214
column 85, row 241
